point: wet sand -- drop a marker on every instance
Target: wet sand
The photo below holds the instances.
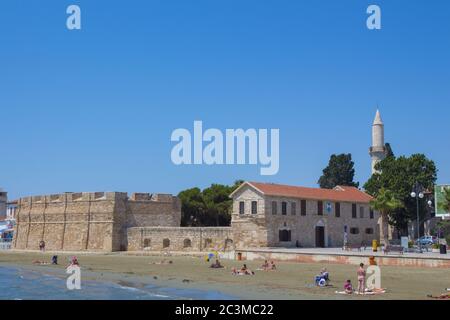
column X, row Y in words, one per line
column 290, row 281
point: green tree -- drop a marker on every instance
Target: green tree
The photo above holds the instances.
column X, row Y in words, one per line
column 385, row 203
column 210, row 207
column 399, row 175
column 446, row 204
column 340, row 171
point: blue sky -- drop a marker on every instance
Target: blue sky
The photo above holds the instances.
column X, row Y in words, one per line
column 93, row 110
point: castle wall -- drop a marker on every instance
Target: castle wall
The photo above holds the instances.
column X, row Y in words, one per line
column 89, row 221
column 180, row 239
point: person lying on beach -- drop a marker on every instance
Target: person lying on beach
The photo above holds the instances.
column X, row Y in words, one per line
column 164, row 261
column 244, row 271
column 348, row 287
column 217, row 265
column 444, row 296
column 40, row 262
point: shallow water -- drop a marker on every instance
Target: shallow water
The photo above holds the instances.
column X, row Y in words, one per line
column 21, row 284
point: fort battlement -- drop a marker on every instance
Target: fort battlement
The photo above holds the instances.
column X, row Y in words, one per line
column 90, row 220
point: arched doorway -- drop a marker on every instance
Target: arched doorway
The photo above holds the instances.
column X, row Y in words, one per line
column 320, row 235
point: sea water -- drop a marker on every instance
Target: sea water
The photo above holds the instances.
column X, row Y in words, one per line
column 21, row 284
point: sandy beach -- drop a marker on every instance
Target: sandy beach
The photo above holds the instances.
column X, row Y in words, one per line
column 290, row 281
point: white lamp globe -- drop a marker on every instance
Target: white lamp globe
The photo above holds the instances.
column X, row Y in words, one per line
column 421, row 195
column 413, row 194
column 430, row 203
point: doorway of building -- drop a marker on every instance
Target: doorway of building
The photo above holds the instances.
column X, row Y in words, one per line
column 320, row 237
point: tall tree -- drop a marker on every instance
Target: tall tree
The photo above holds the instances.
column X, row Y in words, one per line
column 399, row 175
column 340, row 171
column 386, row 204
column 445, row 205
column 210, row 207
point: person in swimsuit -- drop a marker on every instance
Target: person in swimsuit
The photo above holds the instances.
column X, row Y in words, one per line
column 361, row 279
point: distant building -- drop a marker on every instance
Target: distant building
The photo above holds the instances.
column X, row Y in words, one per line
column 11, row 210
column 3, row 202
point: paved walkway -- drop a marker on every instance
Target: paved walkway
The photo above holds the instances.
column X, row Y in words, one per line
column 363, row 253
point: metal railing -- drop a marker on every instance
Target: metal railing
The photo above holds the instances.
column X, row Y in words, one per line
column 5, row 244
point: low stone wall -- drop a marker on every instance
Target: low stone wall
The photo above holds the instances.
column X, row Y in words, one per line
column 181, row 239
column 353, row 259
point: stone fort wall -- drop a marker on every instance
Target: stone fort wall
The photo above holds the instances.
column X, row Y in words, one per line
column 187, row 239
column 96, row 221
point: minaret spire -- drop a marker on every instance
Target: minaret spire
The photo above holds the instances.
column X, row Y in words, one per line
column 378, row 149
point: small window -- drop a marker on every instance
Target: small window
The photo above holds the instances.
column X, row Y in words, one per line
column 166, row 243
column 208, row 243
column 284, row 208
column 241, row 207
column 254, row 207
column 361, row 212
column 147, row 243
column 293, row 208
column 320, row 208
column 274, row 207
column 187, row 243
column 354, row 211
column 371, row 214
column 369, row 231
column 337, row 209
column 354, row 230
column 303, row 207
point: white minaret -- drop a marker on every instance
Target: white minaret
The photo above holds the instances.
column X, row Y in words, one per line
column 378, row 149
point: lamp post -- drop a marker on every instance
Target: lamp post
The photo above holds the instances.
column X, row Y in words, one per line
column 418, row 194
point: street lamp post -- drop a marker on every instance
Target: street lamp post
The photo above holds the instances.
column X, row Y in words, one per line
column 418, row 194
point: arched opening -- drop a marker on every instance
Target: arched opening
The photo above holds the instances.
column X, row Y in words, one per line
column 147, row 243
column 187, row 243
column 284, row 235
column 228, row 244
column 208, row 243
column 166, row 243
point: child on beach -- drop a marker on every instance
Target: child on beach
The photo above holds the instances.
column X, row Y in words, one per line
column 348, row 288
column 216, row 265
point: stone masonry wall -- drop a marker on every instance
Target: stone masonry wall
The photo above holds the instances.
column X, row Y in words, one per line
column 180, row 239
column 89, row 221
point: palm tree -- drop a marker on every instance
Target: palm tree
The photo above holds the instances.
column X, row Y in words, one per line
column 385, row 203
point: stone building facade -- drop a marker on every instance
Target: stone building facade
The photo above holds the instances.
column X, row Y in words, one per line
column 270, row 215
column 264, row 215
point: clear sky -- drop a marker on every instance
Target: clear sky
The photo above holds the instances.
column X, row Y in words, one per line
column 93, row 109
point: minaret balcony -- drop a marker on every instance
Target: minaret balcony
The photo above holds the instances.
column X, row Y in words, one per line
column 377, row 149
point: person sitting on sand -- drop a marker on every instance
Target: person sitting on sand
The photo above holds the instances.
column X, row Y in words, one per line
column 265, row 266
column 348, row 287
column 216, row 265
column 273, row 267
column 324, row 274
column 55, row 260
column 74, row 262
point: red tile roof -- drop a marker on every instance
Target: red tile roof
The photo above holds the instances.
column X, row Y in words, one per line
column 340, row 193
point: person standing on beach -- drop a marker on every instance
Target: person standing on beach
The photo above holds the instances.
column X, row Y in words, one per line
column 361, row 279
column 42, row 246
